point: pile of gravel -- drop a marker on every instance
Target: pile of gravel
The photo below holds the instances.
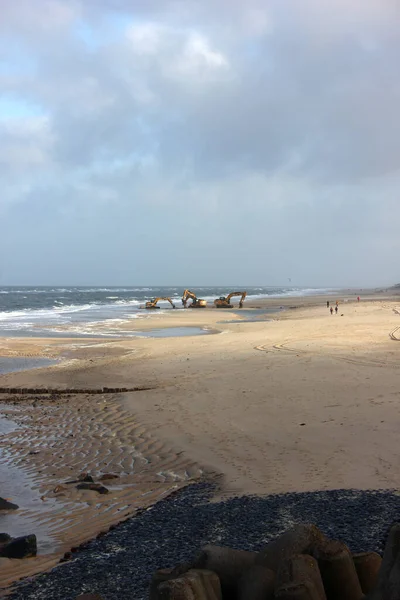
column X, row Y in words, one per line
column 120, row 564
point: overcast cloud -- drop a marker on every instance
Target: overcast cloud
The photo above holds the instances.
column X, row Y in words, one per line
column 200, row 142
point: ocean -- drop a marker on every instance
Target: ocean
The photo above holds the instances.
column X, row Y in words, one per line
column 50, row 311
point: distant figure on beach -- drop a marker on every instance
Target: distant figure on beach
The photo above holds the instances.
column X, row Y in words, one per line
column 358, row 298
column 337, row 302
column 336, row 308
column 327, row 303
column 331, row 310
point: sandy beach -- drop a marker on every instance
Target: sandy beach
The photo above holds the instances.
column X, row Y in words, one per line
column 296, row 400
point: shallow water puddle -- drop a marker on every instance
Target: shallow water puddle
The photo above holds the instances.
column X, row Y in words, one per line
column 11, row 364
column 173, row 332
column 18, row 487
column 7, row 425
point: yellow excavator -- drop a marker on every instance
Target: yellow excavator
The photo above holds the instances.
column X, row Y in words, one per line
column 225, row 302
column 196, row 302
column 151, row 304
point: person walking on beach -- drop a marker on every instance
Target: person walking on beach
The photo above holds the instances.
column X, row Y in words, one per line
column 327, row 303
column 358, row 298
column 336, row 308
column 331, row 310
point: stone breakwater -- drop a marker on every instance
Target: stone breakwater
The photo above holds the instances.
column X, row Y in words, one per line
column 301, row 564
column 121, row 563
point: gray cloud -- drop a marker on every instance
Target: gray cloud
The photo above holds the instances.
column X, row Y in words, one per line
column 204, row 141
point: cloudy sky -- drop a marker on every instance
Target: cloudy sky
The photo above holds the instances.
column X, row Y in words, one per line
column 200, row 142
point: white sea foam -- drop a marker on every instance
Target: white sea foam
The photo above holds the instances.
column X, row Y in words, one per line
column 34, row 313
column 16, row 326
column 73, row 290
column 127, row 302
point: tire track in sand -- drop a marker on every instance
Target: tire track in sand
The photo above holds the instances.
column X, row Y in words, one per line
column 395, row 333
column 284, row 347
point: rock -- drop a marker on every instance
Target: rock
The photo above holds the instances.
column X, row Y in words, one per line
column 228, row 564
column 193, row 585
column 59, row 488
column 95, row 487
column 86, row 477
column 367, row 566
column 175, row 589
column 388, row 584
column 257, row 583
column 108, row 476
column 302, row 539
column 159, row 576
column 6, row 505
column 298, row 591
column 211, row 583
column 338, row 572
column 298, row 569
column 4, row 537
column 20, row 547
column 165, row 575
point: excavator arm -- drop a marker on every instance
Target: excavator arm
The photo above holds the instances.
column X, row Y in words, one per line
column 242, row 294
column 153, row 303
column 196, row 302
column 187, row 295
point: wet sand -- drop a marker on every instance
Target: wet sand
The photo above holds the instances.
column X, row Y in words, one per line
column 57, row 439
column 306, row 401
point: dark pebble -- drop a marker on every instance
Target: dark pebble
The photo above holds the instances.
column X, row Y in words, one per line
column 120, row 564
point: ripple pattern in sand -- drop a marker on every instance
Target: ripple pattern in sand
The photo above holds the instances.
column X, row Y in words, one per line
column 58, row 438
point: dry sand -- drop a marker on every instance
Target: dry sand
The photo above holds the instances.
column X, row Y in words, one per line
column 306, row 401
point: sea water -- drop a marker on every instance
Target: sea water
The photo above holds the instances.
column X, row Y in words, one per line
column 83, row 311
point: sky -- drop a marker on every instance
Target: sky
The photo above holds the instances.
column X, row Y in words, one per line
column 200, row 142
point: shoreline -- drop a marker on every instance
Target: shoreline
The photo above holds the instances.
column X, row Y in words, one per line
column 90, row 326
column 262, row 405
column 167, row 318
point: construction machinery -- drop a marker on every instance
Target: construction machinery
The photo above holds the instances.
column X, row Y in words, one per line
column 225, row 302
column 152, row 304
column 195, row 301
